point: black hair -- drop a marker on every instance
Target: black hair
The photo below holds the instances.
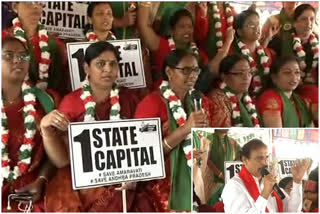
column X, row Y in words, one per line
column 178, row 15
column 241, row 18
column 90, row 10
column 97, row 48
column 174, row 58
column 281, row 61
column 253, row 144
column 300, row 9
column 277, row 65
column 13, row 39
column 229, row 61
column 285, row 181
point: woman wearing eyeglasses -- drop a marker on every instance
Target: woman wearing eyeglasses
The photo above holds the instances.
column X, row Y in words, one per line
column 280, row 106
column 246, row 43
column 174, row 102
column 232, row 104
column 24, row 166
column 98, row 99
column 48, row 61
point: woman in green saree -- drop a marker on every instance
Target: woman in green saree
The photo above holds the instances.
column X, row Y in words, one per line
column 280, row 106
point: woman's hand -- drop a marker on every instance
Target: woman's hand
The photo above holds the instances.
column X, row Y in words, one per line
column 129, row 18
column 35, row 188
column 53, row 122
column 204, row 9
column 299, row 168
column 230, row 35
column 127, row 186
column 197, row 119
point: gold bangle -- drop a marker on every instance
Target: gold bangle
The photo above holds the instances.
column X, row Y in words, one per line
column 166, row 143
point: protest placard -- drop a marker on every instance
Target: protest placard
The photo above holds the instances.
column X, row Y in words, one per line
column 65, row 19
column 131, row 72
column 110, row 152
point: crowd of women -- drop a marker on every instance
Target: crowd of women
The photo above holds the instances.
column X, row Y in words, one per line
column 247, row 78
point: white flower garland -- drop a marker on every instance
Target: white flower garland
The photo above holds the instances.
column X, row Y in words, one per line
column 298, row 48
column 193, row 46
column 264, row 62
column 25, row 150
column 217, row 19
column 92, row 36
column 179, row 115
column 90, row 105
column 236, row 116
column 45, row 61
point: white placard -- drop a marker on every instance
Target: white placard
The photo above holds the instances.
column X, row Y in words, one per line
column 231, row 168
column 110, row 152
column 66, row 19
column 285, row 165
column 131, row 73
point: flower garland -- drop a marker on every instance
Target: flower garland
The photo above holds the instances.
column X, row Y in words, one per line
column 179, row 115
column 236, row 116
column 25, row 150
column 298, row 48
column 193, row 46
column 90, row 105
column 92, row 36
column 264, row 62
column 45, row 60
column 217, row 21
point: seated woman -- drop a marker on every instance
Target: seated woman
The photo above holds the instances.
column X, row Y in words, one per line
column 246, row 43
column 100, row 19
column 48, row 64
column 173, row 103
column 24, row 167
column 303, row 43
column 232, row 105
column 280, row 106
column 98, row 99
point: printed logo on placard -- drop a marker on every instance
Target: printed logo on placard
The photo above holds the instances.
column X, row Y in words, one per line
column 148, row 128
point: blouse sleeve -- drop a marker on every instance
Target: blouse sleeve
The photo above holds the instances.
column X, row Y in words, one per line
column 71, row 106
column 269, row 101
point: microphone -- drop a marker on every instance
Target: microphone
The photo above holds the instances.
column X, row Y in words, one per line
column 276, row 188
column 197, row 99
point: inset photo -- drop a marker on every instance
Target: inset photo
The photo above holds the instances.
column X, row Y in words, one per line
column 243, row 170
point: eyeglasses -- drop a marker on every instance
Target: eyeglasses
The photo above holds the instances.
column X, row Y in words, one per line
column 261, row 157
column 253, row 26
column 113, row 64
column 34, row 3
column 242, row 74
column 9, row 56
column 188, row 70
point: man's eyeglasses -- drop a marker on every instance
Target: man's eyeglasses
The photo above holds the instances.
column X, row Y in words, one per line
column 102, row 63
column 261, row 157
column 34, row 3
column 188, row 70
column 9, row 56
